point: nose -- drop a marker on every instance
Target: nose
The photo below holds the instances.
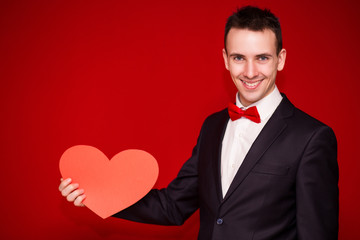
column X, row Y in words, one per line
column 250, row 70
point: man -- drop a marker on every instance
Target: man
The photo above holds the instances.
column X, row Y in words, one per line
column 272, row 176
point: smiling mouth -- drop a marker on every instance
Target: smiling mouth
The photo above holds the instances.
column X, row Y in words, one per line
column 252, row 84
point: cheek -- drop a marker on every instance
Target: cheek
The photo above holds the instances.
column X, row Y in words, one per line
column 235, row 70
column 268, row 71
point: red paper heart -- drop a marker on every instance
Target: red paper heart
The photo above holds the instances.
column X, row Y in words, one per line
column 110, row 186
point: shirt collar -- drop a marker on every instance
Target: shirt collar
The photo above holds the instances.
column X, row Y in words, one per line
column 265, row 106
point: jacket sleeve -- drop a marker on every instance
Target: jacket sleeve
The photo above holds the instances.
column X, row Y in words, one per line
column 317, row 194
column 171, row 205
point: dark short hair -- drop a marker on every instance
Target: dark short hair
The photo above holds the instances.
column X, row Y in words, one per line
column 254, row 19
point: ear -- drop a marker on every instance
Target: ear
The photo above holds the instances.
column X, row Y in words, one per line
column 225, row 59
column 281, row 59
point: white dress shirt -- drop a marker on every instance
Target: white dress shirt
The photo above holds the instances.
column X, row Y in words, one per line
column 241, row 134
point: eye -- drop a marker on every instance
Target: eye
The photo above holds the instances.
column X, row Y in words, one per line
column 263, row 58
column 238, row 58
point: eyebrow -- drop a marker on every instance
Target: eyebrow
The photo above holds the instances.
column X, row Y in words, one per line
column 236, row 55
column 264, row 55
column 257, row 55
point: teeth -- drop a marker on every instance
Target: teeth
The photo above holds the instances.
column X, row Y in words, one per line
column 251, row 84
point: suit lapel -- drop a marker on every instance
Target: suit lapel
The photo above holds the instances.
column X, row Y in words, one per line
column 267, row 136
column 217, row 148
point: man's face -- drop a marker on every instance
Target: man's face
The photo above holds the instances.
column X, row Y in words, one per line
column 253, row 63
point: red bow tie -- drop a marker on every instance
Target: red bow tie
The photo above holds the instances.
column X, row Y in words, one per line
column 250, row 113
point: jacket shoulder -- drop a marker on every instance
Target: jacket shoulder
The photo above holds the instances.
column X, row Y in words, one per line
column 300, row 120
column 216, row 118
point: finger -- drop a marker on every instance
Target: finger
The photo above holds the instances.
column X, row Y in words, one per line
column 69, row 189
column 78, row 201
column 74, row 194
column 64, row 184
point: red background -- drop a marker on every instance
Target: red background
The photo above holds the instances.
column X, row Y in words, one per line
column 145, row 74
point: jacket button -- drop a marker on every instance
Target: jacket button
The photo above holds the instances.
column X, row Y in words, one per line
column 219, row 221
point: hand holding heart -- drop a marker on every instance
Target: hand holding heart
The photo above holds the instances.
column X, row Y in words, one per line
column 71, row 192
column 111, row 186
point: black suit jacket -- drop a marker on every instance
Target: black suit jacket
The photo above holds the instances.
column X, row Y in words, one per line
column 286, row 187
